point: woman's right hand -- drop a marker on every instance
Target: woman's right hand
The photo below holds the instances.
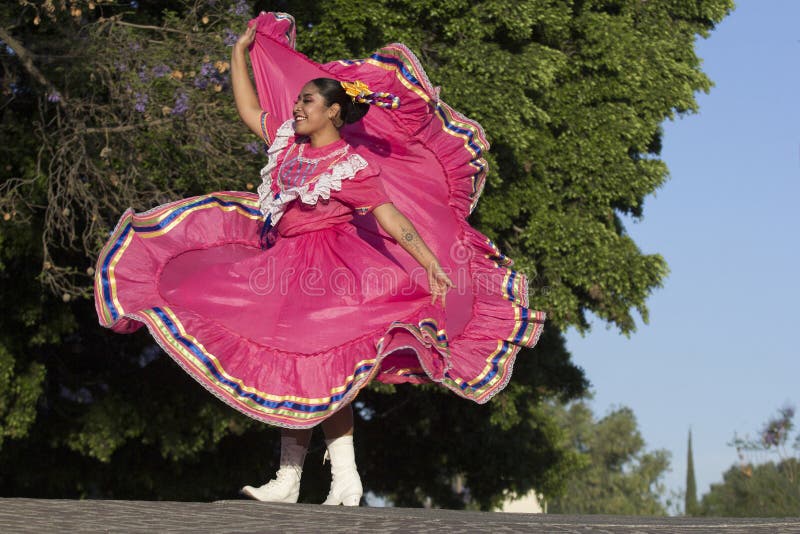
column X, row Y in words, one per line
column 247, row 38
column 244, row 95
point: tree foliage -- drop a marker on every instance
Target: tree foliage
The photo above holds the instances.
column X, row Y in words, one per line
column 764, row 490
column 107, row 105
column 617, row 475
column 759, row 488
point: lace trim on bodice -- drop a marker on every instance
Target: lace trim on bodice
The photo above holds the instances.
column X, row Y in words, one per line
column 273, row 204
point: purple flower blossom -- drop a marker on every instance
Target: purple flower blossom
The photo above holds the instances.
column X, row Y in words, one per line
column 141, row 102
column 181, row 104
column 230, row 37
column 210, row 75
column 134, row 4
column 120, row 66
column 241, row 8
column 159, row 71
column 200, row 82
column 207, row 70
column 144, row 75
column 776, row 431
column 135, row 47
column 254, row 147
column 53, row 96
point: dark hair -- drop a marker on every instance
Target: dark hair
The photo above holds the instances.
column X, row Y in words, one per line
column 333, row 93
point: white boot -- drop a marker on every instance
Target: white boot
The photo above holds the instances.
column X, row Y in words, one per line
column 285, row 487
column 346, row 486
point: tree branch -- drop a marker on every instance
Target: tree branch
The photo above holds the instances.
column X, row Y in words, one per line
column 26, row 58
column 145, row 27
column 125, row 128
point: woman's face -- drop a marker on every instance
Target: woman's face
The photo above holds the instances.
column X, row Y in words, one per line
column 310, row 112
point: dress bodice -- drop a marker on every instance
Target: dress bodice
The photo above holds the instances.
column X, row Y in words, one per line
column 302, row 164
column 307, row 188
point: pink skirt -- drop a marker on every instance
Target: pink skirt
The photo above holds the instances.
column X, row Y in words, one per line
column 290, row 334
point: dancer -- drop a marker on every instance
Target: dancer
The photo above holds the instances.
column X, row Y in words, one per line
column 287, row 303
column 320, row 110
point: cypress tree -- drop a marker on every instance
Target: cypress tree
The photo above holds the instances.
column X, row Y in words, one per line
column 690, row 504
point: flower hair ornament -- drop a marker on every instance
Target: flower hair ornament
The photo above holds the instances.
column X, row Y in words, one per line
column 361, row 94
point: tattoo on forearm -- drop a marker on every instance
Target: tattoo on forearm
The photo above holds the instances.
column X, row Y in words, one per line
column 411, row 239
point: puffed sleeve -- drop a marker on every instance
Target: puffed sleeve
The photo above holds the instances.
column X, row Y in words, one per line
column 269, row 125
column 364, row 192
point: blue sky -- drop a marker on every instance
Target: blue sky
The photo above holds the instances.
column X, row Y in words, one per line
column 720, row 353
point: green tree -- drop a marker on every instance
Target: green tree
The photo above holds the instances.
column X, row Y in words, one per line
column 764, row 490
column 617, row 475
column 758, row 488
column 690, row 500
column 108, row 105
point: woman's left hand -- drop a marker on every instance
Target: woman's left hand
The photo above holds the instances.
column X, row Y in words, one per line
column 439, row 282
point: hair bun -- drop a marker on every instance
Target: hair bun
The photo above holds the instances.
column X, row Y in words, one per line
column 356, row 112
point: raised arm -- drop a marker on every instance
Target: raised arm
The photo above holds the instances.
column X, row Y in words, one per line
column 400, row 228
column 243, row 93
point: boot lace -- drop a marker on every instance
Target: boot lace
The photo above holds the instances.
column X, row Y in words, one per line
column 284, row 475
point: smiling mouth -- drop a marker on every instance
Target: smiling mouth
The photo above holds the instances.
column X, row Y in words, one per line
column 299, row 119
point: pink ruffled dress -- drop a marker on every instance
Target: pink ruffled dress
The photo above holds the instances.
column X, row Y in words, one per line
column 291, row 333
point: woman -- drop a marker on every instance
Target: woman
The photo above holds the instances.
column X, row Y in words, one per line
column 285, row 305
column 321, row 109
